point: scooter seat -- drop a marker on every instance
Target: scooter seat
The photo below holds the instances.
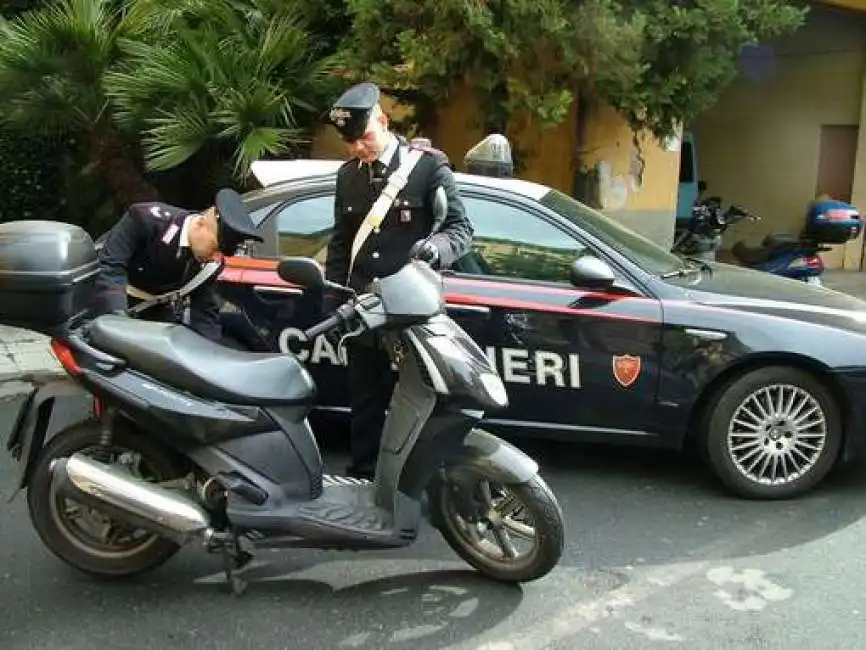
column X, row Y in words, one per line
column 771, row 245
column 179, row 357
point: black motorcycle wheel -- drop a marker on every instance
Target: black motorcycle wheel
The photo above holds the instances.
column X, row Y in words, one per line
column 70, row 530
column 528, row 511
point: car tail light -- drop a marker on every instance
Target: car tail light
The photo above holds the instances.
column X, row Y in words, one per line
column 66, row 357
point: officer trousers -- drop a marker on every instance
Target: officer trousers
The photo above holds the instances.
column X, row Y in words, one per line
column 371, row 384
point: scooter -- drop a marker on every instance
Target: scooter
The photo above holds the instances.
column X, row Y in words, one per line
column 191, row 441
column 784, row 254
column 799, row 257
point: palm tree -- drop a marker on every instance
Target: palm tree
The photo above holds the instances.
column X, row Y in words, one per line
column 243, row 77
column 53, row 63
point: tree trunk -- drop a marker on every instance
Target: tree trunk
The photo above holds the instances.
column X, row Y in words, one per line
column 586, row 180
column 117, row 166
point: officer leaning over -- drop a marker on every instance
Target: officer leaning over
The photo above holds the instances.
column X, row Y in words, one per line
column 156, row 249
column 363, row 249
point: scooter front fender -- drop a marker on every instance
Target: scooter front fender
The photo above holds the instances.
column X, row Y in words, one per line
column 485, row 454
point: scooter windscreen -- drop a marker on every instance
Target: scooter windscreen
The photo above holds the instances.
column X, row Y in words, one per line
column 456, row 366
column 414, row 293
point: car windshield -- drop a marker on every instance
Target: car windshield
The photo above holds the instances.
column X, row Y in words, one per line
column 648, row 255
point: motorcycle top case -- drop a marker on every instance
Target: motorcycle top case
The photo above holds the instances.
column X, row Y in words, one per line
column 47, row 274
column 832, row 222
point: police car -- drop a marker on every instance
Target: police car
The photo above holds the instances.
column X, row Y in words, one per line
column 599, row 334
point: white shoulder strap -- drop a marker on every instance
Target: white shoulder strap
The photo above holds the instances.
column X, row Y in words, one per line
column 396, row 182
column 149, row 300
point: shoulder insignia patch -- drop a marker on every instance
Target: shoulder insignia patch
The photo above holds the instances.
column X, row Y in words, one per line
column 424, row 144
column 170, row 233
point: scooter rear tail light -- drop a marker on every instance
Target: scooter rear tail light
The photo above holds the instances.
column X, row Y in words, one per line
column 814, row 262
column 66, row 357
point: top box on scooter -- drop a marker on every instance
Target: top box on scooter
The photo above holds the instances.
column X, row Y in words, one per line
column 47, row 274
column 832, row 222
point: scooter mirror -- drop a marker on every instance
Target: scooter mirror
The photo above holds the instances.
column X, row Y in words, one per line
column 304, row 271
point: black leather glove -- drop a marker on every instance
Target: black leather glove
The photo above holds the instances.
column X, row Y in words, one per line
column 425, row 250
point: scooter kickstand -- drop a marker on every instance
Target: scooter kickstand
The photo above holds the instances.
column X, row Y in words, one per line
column 236, row 563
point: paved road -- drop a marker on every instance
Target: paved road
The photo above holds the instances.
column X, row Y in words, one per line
column 657, row 556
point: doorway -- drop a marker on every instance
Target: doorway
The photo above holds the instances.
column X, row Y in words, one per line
column 836, row 161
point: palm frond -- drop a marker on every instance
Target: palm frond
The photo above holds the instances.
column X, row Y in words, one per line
column 52, row 62
column 256, row 79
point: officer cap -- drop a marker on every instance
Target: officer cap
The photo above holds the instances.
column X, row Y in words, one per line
column 234, row 225
column 351, row 112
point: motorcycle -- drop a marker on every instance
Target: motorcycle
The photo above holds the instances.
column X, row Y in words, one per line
column 193, row 442
column 701, row 236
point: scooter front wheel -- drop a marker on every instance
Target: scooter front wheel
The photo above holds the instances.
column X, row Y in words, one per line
column 511, row 533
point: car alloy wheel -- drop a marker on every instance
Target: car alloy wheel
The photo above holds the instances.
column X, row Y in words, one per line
column 772, row 432
column 777, row 434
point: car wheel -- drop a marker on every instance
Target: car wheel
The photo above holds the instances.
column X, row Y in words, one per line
column 773, row 433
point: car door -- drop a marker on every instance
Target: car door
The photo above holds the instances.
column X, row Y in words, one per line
column 573, row 360
column 300, row 226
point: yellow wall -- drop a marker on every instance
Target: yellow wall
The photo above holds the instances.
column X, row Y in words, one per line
column 759, row 146
column 643, row 200
column 854, row 5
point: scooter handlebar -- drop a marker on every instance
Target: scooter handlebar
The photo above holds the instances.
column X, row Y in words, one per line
column 328, row 324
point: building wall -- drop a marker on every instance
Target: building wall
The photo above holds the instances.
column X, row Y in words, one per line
column 759, row 146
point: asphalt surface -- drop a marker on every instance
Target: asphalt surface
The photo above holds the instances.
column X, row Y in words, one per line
column 657, row 554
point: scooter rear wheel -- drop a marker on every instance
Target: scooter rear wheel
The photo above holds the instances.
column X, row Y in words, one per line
column 83, row 537
column 500, row 513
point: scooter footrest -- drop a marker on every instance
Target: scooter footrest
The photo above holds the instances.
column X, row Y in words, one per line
column 362, row 519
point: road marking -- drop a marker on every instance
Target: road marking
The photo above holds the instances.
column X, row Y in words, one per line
column 753, row 590
column 651, row 582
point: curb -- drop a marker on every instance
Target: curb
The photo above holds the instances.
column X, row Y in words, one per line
column 25, row 359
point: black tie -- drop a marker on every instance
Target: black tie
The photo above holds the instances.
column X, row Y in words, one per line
column 377, row 171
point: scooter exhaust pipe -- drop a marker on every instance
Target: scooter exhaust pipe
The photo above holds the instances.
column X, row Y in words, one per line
column 158, row 510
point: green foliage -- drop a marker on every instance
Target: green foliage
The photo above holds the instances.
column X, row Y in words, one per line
column 30, row 176
column 659, row 62
column 14, row 7
column 51, row 66
column 690, row 50
column 240, row 73
column 524, row 55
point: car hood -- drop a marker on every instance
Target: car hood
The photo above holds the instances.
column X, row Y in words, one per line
column 734, row 287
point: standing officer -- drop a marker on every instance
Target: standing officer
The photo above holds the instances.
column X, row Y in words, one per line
column 376, row 233
column 157, row 248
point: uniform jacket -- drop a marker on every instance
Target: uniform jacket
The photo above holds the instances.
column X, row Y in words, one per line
column 144, row 250
column 409, row 219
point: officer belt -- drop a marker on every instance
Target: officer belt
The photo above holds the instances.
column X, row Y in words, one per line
column 150, row 300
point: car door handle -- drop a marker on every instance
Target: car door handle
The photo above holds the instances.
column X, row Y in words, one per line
column 292, row 291
column 475, row 309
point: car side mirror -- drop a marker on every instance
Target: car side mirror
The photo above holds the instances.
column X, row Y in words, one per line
column 589, row 272
column 304, row 271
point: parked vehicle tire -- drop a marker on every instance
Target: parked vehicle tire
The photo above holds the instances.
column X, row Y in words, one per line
column 772, row 433
column 529, row 511
column 120, row 550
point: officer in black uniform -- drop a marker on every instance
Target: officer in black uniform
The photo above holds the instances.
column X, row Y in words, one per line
column 404, row 233
column 157, row 248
